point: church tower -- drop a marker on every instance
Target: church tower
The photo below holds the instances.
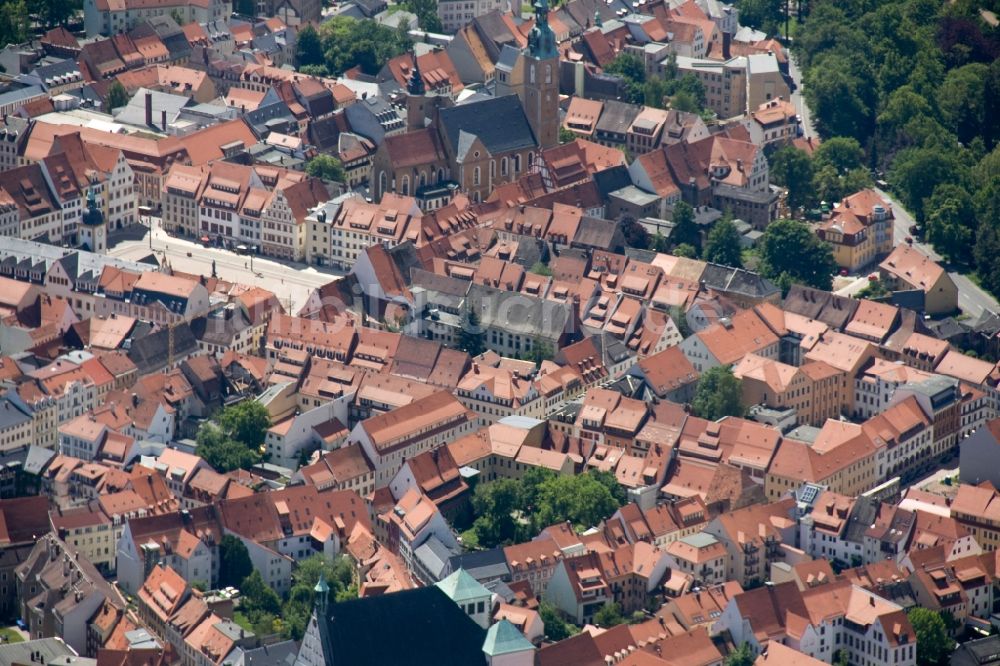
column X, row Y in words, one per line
column 416, row 99
column 541, row 79
column 93, row 232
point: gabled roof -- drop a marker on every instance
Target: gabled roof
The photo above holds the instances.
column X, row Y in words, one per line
column 478, row 120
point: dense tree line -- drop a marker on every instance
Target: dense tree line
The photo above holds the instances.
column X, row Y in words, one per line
column 916, row 83
column 343, row 42
column 234, row 439
column 514, row 510
column 683, row 93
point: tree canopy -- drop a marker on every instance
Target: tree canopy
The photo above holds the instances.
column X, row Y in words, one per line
column 791, row 253
column 556, row 628
column 234, row 439
column 723, row 245
column 308, row 47
column 348, row 42
column 234, row 561
column 246, row 422
column 326, row 167
column 472, row 338
column 426, row 13
column 912, row 83
column 741, row 656
column 513, row 510
column 685, row 231
column 117, row 96
column 719, row 394
column 934, row 646
column 298, row 607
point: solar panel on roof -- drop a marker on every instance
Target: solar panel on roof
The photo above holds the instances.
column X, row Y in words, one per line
column 809, row 494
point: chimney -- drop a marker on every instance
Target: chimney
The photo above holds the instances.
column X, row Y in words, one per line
column 163, row 119
column 149, row 109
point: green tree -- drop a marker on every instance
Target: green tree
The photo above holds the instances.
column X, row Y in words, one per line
column 723, row 246
column 684, row 101
column 298, row 607
column 565, row 135
column 962, row 99
column 54, row 12
column 472, row 338
column 934, row 646
column 246, row 8
column 257, row 597
column 610, row 481
column 765, row 15
column 685, row 250
column 14, row 22
column 628, row 66
column 609, row 615
column 541, row 351
column 685, row 229
column 222, row 452
column 348, row 42
column 234, row 561
column 951, row 221
column 497, row 506
column 117, row 96
column 246, row 422
column 918, row 171
column 789, row 248
column 741, row 656
column 326, row 167
column 308, row 47
column 793, row 169
column 841, row 658
column 635, row 234
column 556, row 628
column 841, row 152
column 719, row 394
column 582, row 500
column 426, row 12
column 839, row 98
column 541, row 268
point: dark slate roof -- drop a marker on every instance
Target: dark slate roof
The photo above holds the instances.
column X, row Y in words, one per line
column 277, row 654
column 480, row 119
column 638, row 254
column 617, row 117
column 151, row 353
column 862, row 517
column 948, row 329
column 981, row 652
column 737, row 281
column 530, row 251
column 405, row 257
column 441, row 284
column 612, row 179
column 518, row 313
column 42, row 650
column 598, row 233
column 913, row 299
column 834, row 311
column 482, row 564
column 427, row 628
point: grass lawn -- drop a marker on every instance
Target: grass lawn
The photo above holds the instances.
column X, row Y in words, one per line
column 242, row 620
column 8, row 635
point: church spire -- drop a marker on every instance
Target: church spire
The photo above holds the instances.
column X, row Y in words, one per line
column 541, row 39
column 415, row 84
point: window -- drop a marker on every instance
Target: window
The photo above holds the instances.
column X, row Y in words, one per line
column 476, row 176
